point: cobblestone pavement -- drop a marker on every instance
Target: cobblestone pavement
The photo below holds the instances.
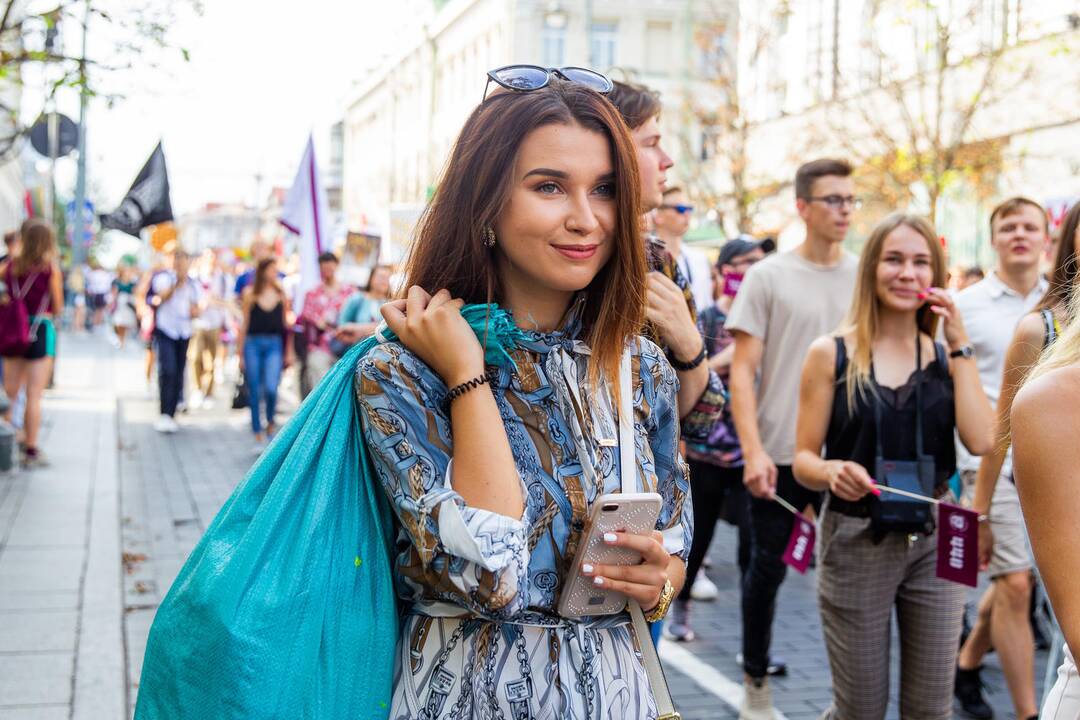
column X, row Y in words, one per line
column 89, row 545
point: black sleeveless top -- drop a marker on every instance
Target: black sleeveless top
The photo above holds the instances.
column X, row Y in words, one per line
column 853, row 437
column 263, row 322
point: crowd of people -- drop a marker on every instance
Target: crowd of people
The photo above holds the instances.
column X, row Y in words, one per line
column 193, row 314
column 797, row 385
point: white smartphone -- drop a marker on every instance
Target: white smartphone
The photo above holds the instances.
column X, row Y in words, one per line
column 632, row 512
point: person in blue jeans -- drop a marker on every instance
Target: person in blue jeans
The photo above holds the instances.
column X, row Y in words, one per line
column 262, row 346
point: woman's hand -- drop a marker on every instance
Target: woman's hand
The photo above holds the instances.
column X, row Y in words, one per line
column 942, row 305
column 643, row 582
column 431, row 326
column 849, row 480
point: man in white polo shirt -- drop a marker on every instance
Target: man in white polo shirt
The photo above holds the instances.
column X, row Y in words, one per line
column 991, row 309
column 174, row 297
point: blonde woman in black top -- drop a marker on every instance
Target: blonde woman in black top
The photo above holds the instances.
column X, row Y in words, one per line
column 882, row 369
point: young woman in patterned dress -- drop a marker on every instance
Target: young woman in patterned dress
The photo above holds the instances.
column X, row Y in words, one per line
column 537, row 211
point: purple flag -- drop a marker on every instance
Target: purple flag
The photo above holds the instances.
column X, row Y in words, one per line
column 958, row 545
column 800, row 546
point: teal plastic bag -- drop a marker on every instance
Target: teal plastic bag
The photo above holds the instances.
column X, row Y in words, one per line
column 286, row 607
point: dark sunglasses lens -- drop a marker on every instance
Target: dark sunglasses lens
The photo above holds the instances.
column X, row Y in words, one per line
column 591, row 79
column 521, row 77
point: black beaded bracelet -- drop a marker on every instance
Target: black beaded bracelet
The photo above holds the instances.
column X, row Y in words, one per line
column 686, row 366
column 459, row 390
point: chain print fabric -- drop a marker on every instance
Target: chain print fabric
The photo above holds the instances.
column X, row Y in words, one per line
column 480, row 635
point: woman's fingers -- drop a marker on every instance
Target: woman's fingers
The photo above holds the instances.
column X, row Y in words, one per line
column 652, row 551
column 646, row 595
column 440, row 298
column 394, row 315
column 415, row 302
column 638, row 574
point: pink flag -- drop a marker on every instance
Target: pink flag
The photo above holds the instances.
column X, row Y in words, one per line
column 958, row 545
column 800, row 546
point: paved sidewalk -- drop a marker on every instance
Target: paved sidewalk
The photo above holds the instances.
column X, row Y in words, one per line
column 89, row 545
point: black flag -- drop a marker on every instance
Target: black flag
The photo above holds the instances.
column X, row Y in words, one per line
column 147, row 202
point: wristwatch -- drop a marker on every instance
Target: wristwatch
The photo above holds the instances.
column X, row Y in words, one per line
column 964, row 351
column 667, row 594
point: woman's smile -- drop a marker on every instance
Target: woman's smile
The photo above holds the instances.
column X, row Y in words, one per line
column 576, row 252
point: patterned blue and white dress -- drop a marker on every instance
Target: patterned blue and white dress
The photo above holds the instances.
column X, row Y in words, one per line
column 481, row 637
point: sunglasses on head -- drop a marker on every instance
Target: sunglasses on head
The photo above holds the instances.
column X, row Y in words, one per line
column 526, row 78
column 681, row 209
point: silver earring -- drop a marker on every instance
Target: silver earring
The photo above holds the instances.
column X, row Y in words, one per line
column 489, row 237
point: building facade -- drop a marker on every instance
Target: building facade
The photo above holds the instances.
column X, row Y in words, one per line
column 887, row 82
column 403, row 119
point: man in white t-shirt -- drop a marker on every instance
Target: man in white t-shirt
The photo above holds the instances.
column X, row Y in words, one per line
column 991, row 309
column 785, row 302
column 672, row 220
column 175, row 299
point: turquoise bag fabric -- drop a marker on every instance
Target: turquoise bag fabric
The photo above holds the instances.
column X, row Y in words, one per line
column 286, row 607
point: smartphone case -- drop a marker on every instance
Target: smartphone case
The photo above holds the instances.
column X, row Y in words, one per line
column 634, row 512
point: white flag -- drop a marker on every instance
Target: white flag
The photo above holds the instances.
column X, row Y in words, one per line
column 305, row 214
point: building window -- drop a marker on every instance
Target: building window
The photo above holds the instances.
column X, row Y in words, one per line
column 658, row 49
column 603, row 37
column 554, row 46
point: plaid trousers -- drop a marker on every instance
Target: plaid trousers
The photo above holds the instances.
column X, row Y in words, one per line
column 859, row 584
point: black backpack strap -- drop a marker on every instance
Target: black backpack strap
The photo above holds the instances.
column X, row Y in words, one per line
column 841, row 359
column 942, row 357
column 1049, row 331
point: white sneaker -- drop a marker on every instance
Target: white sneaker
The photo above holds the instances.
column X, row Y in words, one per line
column 166, row 424
column 197, row 399
column 703, row 588
column 757, row 701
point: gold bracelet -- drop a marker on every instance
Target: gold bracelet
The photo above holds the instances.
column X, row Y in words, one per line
column 667, row 594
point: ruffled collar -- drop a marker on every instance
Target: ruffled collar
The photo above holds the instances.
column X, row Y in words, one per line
column 565, row 336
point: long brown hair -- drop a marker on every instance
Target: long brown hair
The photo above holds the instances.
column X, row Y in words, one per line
column 475, row 187
column 38, row 243
column 862, row 319
column 1063, row 276
column 260, row 282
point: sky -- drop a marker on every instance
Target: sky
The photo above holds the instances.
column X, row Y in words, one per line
column 262, row 75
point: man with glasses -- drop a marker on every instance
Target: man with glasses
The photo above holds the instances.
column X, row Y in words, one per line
column 672, row 220
column 784, row 303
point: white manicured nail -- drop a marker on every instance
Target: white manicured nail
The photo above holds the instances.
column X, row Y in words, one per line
column 598, row 581
column 610, row 537
column 586, row 568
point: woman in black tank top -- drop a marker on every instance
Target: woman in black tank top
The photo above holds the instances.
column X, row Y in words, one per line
column 262, row 347
column 882, row 388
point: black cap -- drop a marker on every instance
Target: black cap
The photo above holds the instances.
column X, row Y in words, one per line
column 742, row 245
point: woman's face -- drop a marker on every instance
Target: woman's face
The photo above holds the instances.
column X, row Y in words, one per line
column 270, row 273
column 380, row 282
column 556, row 231
column 904, row 269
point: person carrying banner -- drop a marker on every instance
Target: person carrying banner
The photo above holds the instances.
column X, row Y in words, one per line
column 1046, row 463
column 784, row 303
column 33, row 281
column 882, row 369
